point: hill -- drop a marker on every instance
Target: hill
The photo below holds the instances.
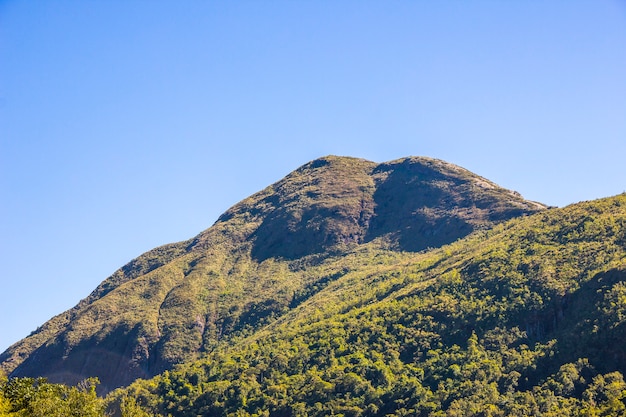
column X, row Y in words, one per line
column 265, row 260
column 527, row 318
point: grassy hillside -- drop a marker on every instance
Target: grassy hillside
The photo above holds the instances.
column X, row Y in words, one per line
column 265, row 258
column 527, row 318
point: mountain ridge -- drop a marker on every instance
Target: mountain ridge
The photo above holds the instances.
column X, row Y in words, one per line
column 174, row 302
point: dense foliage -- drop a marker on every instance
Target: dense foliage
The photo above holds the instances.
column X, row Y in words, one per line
column 525, row 319
column 36, row 397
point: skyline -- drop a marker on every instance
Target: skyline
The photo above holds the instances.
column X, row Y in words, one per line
column 126, row 126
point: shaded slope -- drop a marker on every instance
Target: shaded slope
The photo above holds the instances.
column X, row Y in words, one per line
column 425, row 202
column 36, row 345
column 263, row 257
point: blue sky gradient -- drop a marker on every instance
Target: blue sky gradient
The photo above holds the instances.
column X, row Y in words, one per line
column 125, row 125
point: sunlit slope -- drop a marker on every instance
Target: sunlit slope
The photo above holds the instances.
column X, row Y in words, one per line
column 527, row 318
column 262, row 258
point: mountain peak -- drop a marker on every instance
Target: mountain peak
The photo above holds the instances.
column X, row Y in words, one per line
column 412, row 202
column 175, row 301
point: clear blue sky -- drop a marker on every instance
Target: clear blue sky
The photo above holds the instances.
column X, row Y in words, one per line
column 125, row 125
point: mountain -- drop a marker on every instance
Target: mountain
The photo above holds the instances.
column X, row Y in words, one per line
column 527, row 318
column 296, row 250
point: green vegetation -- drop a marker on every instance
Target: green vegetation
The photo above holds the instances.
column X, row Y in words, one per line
column 36, row 397
column 525, row 319
column 21, row 397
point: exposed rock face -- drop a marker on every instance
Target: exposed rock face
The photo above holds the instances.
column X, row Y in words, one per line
column 175, row 301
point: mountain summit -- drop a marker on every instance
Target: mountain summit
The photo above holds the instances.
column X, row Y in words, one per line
column 412, row 203
column 254, row 264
